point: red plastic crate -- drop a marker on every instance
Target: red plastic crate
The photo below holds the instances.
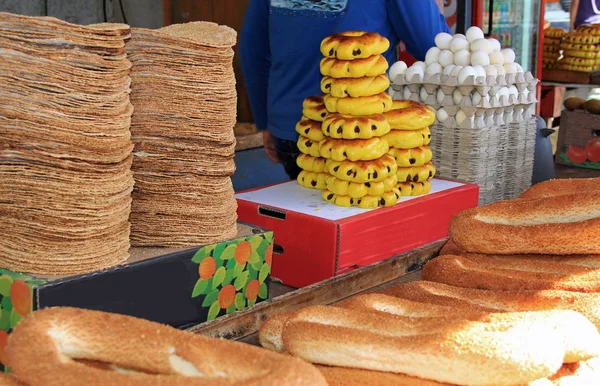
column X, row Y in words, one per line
column 316, row 240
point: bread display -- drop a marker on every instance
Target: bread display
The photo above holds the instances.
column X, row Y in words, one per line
column 416, row 173
column 313, row 174
column 310, row 129
column 389, row 198
column 353, row 150
column 579, row 50
column 308, row 146
column 417, row 156
column 354, row 45
column 410, row 115
column 414, row 188
column 553, row 37
column 313, row 180
column 363, row 171
column 342, row 126
column 72, row 347
column 359, row 106
column 355, row 87
column 403, row 139
column 357, row 68
column 358, row 189
column 311, row 164
column 314, row 108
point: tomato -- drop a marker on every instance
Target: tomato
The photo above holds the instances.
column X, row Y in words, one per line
column 592, row 150
column 576, row 155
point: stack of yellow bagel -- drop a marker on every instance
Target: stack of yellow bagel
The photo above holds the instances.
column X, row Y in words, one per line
column 408, row 140
column 553, row 38
column 362, row 172
column 314, row 174
column 581, row 50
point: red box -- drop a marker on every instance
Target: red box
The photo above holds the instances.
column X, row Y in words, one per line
column 316, row 240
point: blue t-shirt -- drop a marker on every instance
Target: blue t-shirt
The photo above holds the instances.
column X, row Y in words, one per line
column 280, row 47
column 588, row 12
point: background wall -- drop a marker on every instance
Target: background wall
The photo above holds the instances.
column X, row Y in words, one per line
column 137, row 13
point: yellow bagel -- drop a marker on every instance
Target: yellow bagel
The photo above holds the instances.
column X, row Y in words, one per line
column 353, row 150
column 579, row 38
column 308, row 146
column 416, row 174
column 580, row 61
column 357, row 68
column 554, row 32
column 363, row 171
column 418, row 156
column 350, row 127
column 314, row 108
column 592, row 29
column 313, row 180
column 311, row 164
column 358, row 189
column 310, row 129
column 571, row 67
column 401, row 139
column 580, row 54
column 414, row 188
column 390, row 198
column 410, row 115
column 579, row 47
column 354, row 87
column 361, row 106
column 354, row 45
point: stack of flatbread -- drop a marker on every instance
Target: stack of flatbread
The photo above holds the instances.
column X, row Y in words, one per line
column 65, row 146
column 185, row 110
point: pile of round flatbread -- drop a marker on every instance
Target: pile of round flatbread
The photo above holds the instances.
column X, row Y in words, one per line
column 65, row 146
column 185, row 109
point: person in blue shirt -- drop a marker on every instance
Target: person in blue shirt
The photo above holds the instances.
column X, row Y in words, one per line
column 280, row 54
column 584, row 12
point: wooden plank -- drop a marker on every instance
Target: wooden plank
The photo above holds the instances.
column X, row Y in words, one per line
column 22, row 7
column 564, row 76
column 247, row 322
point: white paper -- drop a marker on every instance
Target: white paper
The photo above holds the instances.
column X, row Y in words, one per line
column 291, row 196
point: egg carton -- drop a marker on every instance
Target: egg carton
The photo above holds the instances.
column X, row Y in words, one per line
column 483, row 84
column 480, row 118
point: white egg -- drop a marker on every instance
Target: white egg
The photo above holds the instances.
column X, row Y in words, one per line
column 490, row 70
column 423, row 94
column 421, row 65
column 457, row 97
column 479, row 71
column 503, row 92
column 480, row 58
column 510, row 68
column 458, row 44
column 396, row 69
column 460, row 117
column 509, row 55
column 446, row 58
column 500, row 68
column 513, row 90
column 442, row 40
column 440, row 96
column 434, row 68
column 442, row 114
column 406, row 93
column 432, row 55
column 474, row 33
column 496, row 57
column 518, row 67
column 481, row 44
column 448, row 69
column 459, row 36
column 456, row 70
column 415, row 71
column 462, row 58
column 465, row 73
column 495, row 44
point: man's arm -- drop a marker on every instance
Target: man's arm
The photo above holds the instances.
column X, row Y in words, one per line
column 255, row 58
column 573, row 12
column 417, row 23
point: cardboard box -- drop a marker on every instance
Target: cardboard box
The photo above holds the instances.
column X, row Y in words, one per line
column 316, row 240
column 178, row 287
column 579, row 140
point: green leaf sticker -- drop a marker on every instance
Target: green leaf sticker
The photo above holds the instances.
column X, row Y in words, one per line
column 15, row 275
column 239, row 268
column 200, row 288
column 262, row 248
column 231, row 309
column 257, row 266
column 218, row 277
column 254, row 258
column 5, row 283
column 264, row 292
column 228, row 277
column 253, row 273
column 6, row 303
column 251, row 302
column 213, row 311
column 15, row 318
column 240, row 301
column 264, row 272
column 255, row 241
column 241, row 280
column 5, row 320
column 210, row 298
column 202, row 253
column 229, row 252
column 231, row 264
column 269, row 237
